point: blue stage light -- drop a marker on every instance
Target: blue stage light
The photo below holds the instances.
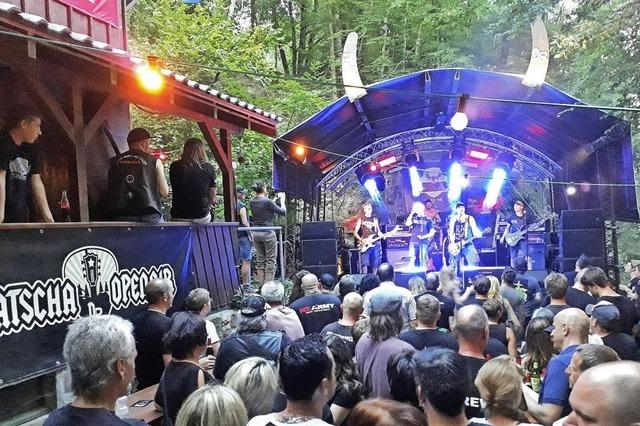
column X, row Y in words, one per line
column 457, row 182
column 372, row 188
column 494, row 187
column 416, row 182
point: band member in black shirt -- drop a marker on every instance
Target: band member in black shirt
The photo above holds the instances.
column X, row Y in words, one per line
column 462, row 231
column 422, row 233
column 517, row 222
column 366, row 231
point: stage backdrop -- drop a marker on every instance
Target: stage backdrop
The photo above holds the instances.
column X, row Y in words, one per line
column 51, row 276
column 105, row 10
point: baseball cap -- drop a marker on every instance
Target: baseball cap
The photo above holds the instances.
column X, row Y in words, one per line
column 240, row 190
column 138, row 134
column 253, row 306
column 460, row 204
column 259, row 186
column 385, row 302
column 591, row 307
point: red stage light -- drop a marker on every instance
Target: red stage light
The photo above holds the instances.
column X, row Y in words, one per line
column 373, row 167
column 478, row 155
column 387, row 161
column 149, row 78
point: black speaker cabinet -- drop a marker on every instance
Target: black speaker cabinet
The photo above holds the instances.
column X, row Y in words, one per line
column 582, row 219
column 537, row 254
column 319, row 252
column 317, row 230
column 575, row 242
column 318, row 270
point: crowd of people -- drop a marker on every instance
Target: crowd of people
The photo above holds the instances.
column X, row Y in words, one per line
column 502, row 352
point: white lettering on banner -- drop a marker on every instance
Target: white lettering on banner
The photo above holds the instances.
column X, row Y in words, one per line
column 87, row 273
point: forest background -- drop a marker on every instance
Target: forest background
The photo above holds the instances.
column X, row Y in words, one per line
column 267, row 51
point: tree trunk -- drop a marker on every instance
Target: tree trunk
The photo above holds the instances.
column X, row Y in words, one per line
column 294, row 46
column 332, row 56
column 254, row 20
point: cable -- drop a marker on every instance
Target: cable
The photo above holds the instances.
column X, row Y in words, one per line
column 318, row 82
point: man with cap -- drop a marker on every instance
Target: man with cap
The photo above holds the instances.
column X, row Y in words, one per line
column 251, row 337
column 570, row 329
column 264, row 212
column 137, row 182
column 245, row 240
column 316, row 309
column 462, row 231
column 376, row 346
column 605, row 322
column 517, row 222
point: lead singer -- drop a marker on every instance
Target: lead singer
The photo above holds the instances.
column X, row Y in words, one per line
column 462, row 231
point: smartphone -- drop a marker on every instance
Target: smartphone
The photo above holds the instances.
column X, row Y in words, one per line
column 142, row 403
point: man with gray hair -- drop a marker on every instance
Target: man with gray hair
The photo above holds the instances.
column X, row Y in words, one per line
column 251, row 338
column 427, row 334
column 149, row 327
column 278, row 316
column 607, row 395
column 100, row 352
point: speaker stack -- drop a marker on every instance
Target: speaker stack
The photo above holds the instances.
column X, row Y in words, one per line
column 582, row 232
column 319, row 251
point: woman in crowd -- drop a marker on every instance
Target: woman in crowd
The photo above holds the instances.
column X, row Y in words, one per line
column 349, row 389
column 416, row 285
column 213, row 405
column 538, row 344
column 499, row 382
column 193, row 183
column 401, row 372
column 385, row 412
column 499, row 330
column 187, row 341
column 508, row 315
column 256, row 381
column 198, row 301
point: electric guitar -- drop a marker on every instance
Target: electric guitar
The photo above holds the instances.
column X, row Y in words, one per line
column 371, row 241
column 513, row 238
column 455, row 247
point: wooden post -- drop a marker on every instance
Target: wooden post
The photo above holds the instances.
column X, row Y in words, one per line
column 81, row 150
column 221, row 147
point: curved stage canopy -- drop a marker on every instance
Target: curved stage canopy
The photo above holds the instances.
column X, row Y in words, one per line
column 549, row 143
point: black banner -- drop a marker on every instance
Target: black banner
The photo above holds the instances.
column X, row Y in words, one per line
column 51, row 276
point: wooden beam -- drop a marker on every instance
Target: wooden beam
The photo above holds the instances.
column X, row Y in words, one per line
column 224, row 162
column 81, row 150
column 50, row 101
column 101, row 116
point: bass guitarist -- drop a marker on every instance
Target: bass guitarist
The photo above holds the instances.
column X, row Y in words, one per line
column 422, row 233
column 517, row 222
column 367, row 228
column 462, row 231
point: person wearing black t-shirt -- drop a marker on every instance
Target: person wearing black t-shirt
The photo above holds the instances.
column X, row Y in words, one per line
column 517, row 222
column 605, row 321
column 316, row 309
column 193, row 184
column 20, row 168
column 422, row 233
column 426, row 334
column 447, row 304
column 149, row 328
column 99, row 351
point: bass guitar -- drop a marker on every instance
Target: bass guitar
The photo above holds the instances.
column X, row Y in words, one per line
column 371, row 241
column 512, row 238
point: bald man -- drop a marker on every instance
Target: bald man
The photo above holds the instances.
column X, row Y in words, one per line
column 351, row 310
column 607, row 395
column 570, row 329
column 315, row 309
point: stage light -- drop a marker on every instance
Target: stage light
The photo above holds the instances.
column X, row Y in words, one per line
column 372, row 188
column 441, row 123
column 571, row 190
column 149, row 76
column 387, row 161
column 416, row 182
column 494, row 187
column 456, row 182
column 459, row 121
column 373, row 167
column 374, row 182
column 299, row 150
column 478, row 155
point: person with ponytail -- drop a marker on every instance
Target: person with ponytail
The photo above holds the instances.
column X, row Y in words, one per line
column 499, row 382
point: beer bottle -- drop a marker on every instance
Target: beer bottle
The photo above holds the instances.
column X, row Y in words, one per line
column 65, row 206
column 535, row 377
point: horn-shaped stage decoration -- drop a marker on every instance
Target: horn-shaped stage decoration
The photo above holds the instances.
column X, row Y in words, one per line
column 539, row 62
column 350, row 74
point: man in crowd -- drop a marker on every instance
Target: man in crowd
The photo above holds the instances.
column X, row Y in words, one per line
column 100, row 351
column 515, row 296
column 20, row 167
column 607, row 395
column 346, row 285
column 327, row 283
column 605, row 322
column 427, row 334
column 250, row 339
column 481, row 286
column 278, row 316
column 408, row 307
column 447, row 305
column 316, row 309
column 578, row 295
column 351, row 310
column 569, row 330
column 137, row 182
column 531, row 284
column 264, row 212
column 632, row 267
column 244, row 237
column 198, row 301
column 587, row 356
column 307, row 376
column 557, row 286
column 375, row 347
column 149, row 328
column 597, row 282
column 442, row 382
column 471, row 328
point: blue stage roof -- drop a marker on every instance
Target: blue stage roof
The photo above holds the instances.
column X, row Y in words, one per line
column 411, row 102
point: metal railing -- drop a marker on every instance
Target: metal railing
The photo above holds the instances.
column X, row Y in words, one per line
column 279, row 233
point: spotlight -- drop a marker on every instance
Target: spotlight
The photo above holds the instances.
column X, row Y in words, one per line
column 149, row 76
column 388, row 161
column 416, row 182
column 494, row 187
column 459, row 121
column 571, row 190
column 374, row 182
column 372, row 188
column 373, row 167
column 299, row 150
column 456, row 182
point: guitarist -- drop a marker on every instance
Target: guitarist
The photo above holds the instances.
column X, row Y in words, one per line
column 462, row 231
column 422, row 233
column 517, row 222
column 367, row 228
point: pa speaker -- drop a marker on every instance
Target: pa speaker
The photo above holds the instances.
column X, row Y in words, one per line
column 319, row 252
column 317, row 230
column 575, row 242
column 318, row 270
column 569, row 264
column 582, row 219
